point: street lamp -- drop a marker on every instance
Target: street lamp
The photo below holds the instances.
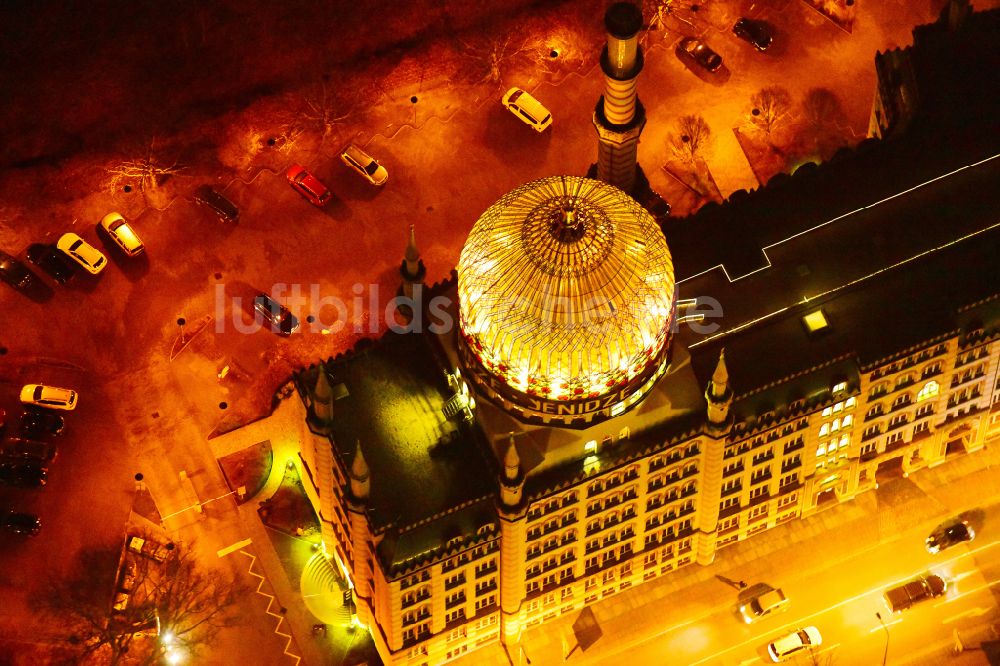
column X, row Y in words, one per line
column 885, row 655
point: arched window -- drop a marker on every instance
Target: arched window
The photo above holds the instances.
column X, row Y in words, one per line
column 824, row 430
column 850, row 402
column 929, row 390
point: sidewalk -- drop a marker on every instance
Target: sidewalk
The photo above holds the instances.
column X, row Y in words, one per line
column 841, row 532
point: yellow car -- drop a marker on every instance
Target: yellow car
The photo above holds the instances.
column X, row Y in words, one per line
column 82, row 253
column 122, row 233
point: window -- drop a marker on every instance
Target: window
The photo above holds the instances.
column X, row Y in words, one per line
column 815, row 321
column 623, row 433
column 850, row 402
column 929, row 390
column 591, row 446
column 839, row 387
column 824, row 430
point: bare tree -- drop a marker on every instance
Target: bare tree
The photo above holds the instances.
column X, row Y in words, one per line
column 770, row 107
column 325, row 109
column 691, row 136
column 111, row 615
column 822, row 109
column 494, row 57
column 146, row 172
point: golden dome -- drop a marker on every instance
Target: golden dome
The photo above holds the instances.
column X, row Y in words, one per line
column 566, row 289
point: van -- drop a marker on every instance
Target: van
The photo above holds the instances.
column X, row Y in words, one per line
column 527, row 108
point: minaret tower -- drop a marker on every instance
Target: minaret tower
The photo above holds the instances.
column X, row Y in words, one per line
column 322, row 400
column 357, row 502
column 513, row 540
column 412, row 272
column 619, row 116
column 719, row 397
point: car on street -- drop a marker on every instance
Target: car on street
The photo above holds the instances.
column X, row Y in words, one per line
column 762, row 603
column 82, row 253
column 21, row 523
column 906, row 594
column 15, row 273
column 276, row 316
column 23, row 472
column 36, row 423
column 225, row 209
column 364, row 164
column 52, row 261
column 756, row 33
column 949, row 534
column 798, row 640
column 698, row 51
column 308, row 185
column 50, row 397
column 122, row 233
column 527, row 108
column 28, row 449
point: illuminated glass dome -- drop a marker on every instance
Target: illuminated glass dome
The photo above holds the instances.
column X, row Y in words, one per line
column 566, row 290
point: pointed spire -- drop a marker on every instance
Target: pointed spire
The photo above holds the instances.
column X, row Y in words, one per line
column 412, row 253
column 359, row 475
column 720, row 378
column 511, row 461
column 322, row 391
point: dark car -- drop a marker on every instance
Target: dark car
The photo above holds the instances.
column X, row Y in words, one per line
column 948, row 535
column 19, row 449
column 51, row 260
column 275, row 315
column 698, row 51
column 23, row 473
column 757, row 33
column 35, row 424
column 21, row 523
column 220, row 205
column 905, row 595
column 15, row 273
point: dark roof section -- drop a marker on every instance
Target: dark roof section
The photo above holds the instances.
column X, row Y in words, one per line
column 422, row 466
column 887, row 278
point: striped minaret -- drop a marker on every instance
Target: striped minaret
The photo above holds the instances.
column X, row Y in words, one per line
column 718, row 397
column 619, row 116
column 513, row 546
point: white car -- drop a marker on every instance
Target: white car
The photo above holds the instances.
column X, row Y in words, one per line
column 527, row 108
column 762, row 604
column 801, row 639
column 366, row 165
column 82, row 253
column 122, row 233
column 51, row 397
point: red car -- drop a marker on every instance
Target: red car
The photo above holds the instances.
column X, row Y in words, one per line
column 308, row 185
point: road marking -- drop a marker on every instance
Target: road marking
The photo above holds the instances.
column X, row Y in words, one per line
column 236, row 546
column 749, row 661
column 986, row 585
column 972, row 612
column 887, row 624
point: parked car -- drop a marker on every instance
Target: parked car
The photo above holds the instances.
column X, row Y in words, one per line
column 800, row 639
column 757, row 33
column 122, row 233
column 308, row 185
column 220, row 205
column 35, row 424
column 275, row 315
column 21, row 523
column 50, row 397
column 147, row 548
column 82, row 253
column 527, row 108
column 52, row 261
column 949, row 534
column 366, row 165
column 23, row 472
column 15, row 273
column 698, row 51
column 762, row 603
column 906, row 594
column 19, row 448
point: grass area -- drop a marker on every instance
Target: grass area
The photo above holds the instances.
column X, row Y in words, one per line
column 288, row 510
column 248, row 468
